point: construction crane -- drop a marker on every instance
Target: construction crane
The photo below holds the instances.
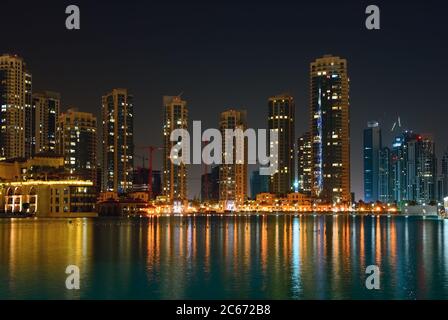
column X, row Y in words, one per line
column 151, row 150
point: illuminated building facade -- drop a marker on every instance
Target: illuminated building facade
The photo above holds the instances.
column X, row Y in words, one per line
column 304, row 163
column 385, row 190
column 372, row 147
column 330, row 129
column 15, row 107
column 118, row 141
column 233, row 177
column 29, row 116
column 40, row 167
column 422, row 169
column 443, row 189
column 76, row 142
column 281, row 117
column 45, row 115
column 174, row 176
column 59, row 198
column 414, row 169
column 399, row 159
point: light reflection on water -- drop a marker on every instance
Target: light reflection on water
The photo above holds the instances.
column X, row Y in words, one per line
column 214, row 257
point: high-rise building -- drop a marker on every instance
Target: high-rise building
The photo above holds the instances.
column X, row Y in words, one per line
column 330, row 129
column 421, row 169
column 118, row 141
column 414, row 168
column 233, row 177
column 400, row 166
column 439, row 189
column 210, row 185
column 29, row 116
column 304, row 163
column 372, row 147
column 174, row 175
column 385, row 190
column 258, row 183
column 444, row 176
column 15, row 104
column 281, row 117
column 76, row 141
column 45, row 115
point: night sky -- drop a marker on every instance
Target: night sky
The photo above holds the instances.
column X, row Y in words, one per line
column 235, row 54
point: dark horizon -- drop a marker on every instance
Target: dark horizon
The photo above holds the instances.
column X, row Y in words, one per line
column 233, row 55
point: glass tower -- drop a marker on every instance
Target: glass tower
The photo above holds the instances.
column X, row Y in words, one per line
column 330, row 129
column 372, row 147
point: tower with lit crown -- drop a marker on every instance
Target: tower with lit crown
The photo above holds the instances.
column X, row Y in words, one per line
column 330, row 129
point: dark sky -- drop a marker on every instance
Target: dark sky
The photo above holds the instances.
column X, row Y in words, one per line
column 235, row 54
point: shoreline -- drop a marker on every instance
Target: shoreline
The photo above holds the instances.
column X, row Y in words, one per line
column 234, row 214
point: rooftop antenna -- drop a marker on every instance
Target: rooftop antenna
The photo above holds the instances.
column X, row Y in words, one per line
column 393, row 127
column 395, row 124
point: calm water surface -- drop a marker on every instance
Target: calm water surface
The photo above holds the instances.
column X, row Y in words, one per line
column 231, row 257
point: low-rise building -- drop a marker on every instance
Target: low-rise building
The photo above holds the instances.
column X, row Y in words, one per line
column 57, row 198
column 41, row 166
column 123, row 207
column 299, row 199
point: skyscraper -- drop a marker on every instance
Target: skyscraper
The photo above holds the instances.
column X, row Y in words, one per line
column 422, row 169
column 174, row 176
column 15, row 104
column 304, row 163
column 330, row 129
column 281, row 117
column 372, row 147
column 76, row 141
column 444, row 175
column 29, row 116
column 385, row 190
column 233, row 177
column 45, row 115
column 118, row 141
column 400, row 166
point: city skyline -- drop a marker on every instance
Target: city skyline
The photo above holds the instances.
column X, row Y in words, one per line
column 241, row 77
column 230, row 158
column 327, row 74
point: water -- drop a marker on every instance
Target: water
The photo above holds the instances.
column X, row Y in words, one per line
column 231, row 257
